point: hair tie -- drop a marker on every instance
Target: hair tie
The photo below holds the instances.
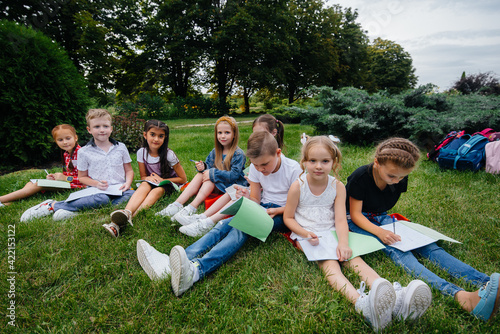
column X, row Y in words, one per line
column 334, row 138
column 303, row 138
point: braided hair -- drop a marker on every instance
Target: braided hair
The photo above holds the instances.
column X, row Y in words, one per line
column 401, row 152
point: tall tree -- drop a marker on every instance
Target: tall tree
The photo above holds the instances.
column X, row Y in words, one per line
column 391, row 66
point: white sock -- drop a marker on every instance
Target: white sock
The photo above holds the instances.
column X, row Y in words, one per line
column 191, row 208
column 196, row 273
column 202, row 216
column 177, row 204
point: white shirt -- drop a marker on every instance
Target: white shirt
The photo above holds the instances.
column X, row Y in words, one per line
column 275, row 186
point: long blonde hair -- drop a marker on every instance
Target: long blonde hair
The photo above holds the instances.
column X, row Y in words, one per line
column 226, row 164
column 332, row 148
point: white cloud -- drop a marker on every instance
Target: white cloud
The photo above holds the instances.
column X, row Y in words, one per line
column 443, row 37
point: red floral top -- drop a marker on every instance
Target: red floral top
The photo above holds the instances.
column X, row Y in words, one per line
column 74, row 173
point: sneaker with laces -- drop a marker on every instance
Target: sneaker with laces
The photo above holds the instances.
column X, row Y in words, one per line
column 411, row 301
column 62, row 214
column 182, row 270
column 187, row 219
column 155, row 264
column 377, row 305
column 122, row 217
column 169, row 211
column 198, row 229
column 113, row 229
column 40, row 210
column 186, row 212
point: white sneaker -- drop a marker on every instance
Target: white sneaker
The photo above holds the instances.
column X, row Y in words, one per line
column 122, row 217
column 155, row 264
column 186, row 211
column 182, row 270
column 198, row 229
column 62, row 214
column 187, row 219
column 411, row 301
column 169, row 211
column 1, row 204
column 377, row 306
column 40, row 210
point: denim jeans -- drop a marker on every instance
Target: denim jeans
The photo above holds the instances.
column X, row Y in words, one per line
column 222, row 242
column 93, row 201
column 434, row 253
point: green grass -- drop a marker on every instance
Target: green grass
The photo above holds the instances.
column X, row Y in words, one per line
column 72, row 277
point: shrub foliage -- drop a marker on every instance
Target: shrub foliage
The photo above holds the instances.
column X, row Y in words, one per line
column 420, row 114
column 129, row 130
column 41, row 88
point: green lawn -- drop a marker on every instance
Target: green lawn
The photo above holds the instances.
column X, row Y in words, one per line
column 72, row 277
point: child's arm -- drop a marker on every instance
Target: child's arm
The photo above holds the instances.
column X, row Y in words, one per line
column 292, row 202
column 387, row 237
column 181, row 174
column 142, row 170
column 129, row 176
column 229, row 176
column 85, row 179
column 344, row 252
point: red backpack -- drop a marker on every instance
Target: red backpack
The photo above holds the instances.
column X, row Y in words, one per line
column 434, row 152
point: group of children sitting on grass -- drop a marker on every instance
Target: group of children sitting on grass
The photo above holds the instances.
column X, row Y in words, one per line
column 303, row 199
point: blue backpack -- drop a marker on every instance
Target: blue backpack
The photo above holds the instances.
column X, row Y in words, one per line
column 464, row 153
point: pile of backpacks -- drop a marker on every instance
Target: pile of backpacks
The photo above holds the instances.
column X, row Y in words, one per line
column 462, row 151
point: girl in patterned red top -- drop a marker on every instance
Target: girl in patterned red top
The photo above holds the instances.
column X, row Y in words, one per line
column 65, row 137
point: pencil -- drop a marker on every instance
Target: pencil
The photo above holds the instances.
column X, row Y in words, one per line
column 394, row 224
column 303, row 239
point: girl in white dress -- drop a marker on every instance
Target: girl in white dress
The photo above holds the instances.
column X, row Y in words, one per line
column 316, row 202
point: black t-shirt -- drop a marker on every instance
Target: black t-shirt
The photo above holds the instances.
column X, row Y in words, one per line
column 361, row 186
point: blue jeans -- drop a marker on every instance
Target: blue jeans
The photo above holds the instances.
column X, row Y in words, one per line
column 93, row 201
column 434, row 253
column 222, row 242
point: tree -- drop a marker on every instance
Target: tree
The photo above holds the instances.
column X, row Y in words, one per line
column 483, row 83
column 391, row 67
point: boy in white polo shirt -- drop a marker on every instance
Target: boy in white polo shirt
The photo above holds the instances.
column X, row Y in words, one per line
column 103, row 162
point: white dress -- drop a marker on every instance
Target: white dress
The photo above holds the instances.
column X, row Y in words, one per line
column 316, row 213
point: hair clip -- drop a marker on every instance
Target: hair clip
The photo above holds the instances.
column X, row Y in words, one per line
column 303, row 138
column 334, row 138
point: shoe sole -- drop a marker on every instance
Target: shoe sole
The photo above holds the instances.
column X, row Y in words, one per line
column 182, row 220
column 108, row 228
column 382, row 298
column 177, row 258
column 417, row 299
column 143, row 260
column 497, row 301
column 120, row 218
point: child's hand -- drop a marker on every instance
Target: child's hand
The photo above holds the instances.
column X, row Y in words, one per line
column 314, row 241
column 50, row 177
column 206, row 176
column 200, row 166
column 344, row 252
column 58, row 176
column 154, row 178
column 387, row 237
column 272, row 212
column 102, row 185
column 124, row 187
column 241, row 192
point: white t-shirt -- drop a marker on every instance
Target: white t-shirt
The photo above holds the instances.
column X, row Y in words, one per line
column 171, row 157
column 275, row 186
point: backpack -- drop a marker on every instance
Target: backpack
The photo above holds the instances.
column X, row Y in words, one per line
column 465, row 153
column 492, row 151
column 434, row 153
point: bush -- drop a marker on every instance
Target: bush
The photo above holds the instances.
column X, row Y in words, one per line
column 41, row 88
column 129, row 130
column 419, row 114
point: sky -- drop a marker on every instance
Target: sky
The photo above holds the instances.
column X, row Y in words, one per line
column 444, row 38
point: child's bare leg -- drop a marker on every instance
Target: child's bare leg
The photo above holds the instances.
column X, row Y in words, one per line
column 220, row 203
column 138, row 197
column 206, row 189
column 191, row 189
column 219, row 216
column 467, row 300
column 365, row 272
column 337, row 280
column 28, row 190
column 152, row 197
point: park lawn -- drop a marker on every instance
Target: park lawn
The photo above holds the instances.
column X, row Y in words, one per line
column 72, row 277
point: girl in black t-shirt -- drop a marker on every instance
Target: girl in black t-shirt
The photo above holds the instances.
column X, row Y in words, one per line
column 374, row 189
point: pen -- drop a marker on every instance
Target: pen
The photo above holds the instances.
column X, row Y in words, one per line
column 307, row 238
column 46, row 171
column 193, row 160
column 394, row 224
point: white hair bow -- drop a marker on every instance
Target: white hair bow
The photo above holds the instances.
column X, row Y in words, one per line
column 334, row 138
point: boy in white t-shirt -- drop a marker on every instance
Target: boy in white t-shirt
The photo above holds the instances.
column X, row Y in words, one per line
column 271, row 175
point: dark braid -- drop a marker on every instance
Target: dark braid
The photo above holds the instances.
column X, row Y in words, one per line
column 402, row 152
